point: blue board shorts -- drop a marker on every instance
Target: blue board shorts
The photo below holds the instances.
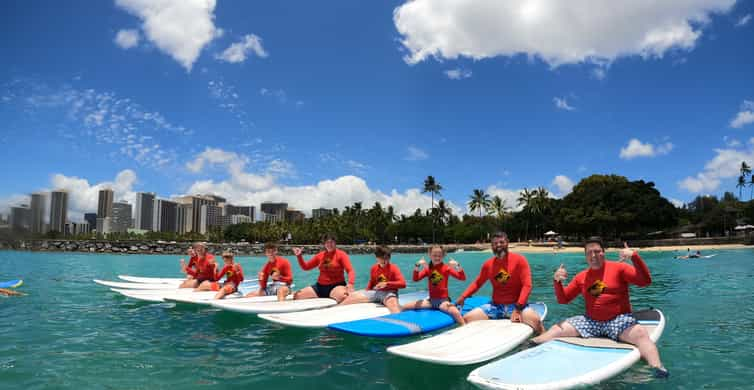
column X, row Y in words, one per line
column 324, row 290
column 272, row 288
column 588, row 327
column 379, row 296
column 499, row 311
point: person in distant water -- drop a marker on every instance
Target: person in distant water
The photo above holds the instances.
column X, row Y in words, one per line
column 201, row 266
column 332, row 262
column 9, row 293
column 276, row 277
column 696, row 255
column 385, row 279
column 233, row 274
column 604, row 286
column 510, row 277
column 437, row 273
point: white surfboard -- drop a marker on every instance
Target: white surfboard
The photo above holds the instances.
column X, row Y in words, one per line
column 273, row 305
column 139, row 279
column 566, row 362
column 151, row 295
column 471, row 343
column 198, row 297
column 136, row 286
column 340, row 313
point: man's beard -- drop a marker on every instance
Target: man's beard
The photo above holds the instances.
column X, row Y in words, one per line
column 501, row 252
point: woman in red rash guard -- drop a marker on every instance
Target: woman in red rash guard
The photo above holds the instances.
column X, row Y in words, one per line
column 385, row 279
column 604, row 286
column 332, row 262
column 201, row 267
column 437, row 274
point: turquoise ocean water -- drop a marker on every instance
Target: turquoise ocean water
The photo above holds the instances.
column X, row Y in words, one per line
column 71, row 333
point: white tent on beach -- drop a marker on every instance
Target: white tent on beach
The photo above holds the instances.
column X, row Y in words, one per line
column 551, row 233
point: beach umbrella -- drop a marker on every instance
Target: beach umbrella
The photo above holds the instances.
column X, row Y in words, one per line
column 551, row 233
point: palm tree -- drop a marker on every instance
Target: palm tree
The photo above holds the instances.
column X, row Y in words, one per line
column 434, row 188
column 527, row 201
column 499, row 208
column 479, row 200
column 745, row 169
column 741, row 184
column 751, row 185
column 443, row 211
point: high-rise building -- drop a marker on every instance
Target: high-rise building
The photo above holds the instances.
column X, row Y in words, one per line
column 104, row 225
column 58, row 210
column 294, row 216
column 211, row 216
column 105, row 203
column 165, row 216
column 235, row 219
column 38, row 211
column 121, row 216
column 184, row 218
column 196, row 202
column 239, row 210
column 92, row 219
column 145, row 211
column 274, row 212
column 20, row 218
column 216, row 198
column 319, row 213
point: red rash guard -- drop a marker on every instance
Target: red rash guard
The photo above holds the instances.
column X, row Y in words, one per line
column 202, row 269
column 390, row 274
column 232, row 272
column 331, row 267
column 510, row 278
column 281, row 265
column 438, row 278
column 605, row 290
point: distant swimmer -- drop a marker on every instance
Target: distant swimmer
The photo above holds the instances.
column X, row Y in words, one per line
column 9, row 293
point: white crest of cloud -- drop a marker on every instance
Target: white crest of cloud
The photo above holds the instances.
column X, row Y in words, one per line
column 745, row 115
column 416, row 154
column 509, row 196
column 557, row 32
column 180, row 28
column 636, row 148
column 564, row 184
column 599, row 73
column 724, row 165
column 562, row 104
column 457, row 73
column 127, row 38
column 278, row 94
column 83, row 197
column 11, row 201
column 731, row 142
column 744, row 20
column 239, row 51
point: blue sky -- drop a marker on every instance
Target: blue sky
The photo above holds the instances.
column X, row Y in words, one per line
column 323, row 104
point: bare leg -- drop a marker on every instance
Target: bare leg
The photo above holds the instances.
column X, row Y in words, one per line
column 416, row 305
column 453, row 311
column 562, row 329
column 205, row 286
column 305, row 293
column 392, row 304
column 639, row 337
column 339, row 293
column 531, row 318
column 355, row 298
column 189, row 283
column 283, row 292
column 253, row 294
column 475, row 315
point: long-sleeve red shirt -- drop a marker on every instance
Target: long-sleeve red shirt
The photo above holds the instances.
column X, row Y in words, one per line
column 232, row 272
column 331, row 266
column 202, row 267
column 281, row 265
column 605, row 290
column 438, row 278
column 390, row 274
column 510, row 278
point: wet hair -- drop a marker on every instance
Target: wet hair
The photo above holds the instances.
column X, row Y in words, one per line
column 228, row 253
column 594, row 240
column 270, row 245
column 382, row 252
column 500, row 234
column 328, row 236
column 437, row 246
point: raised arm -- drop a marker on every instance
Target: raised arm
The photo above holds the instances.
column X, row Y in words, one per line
column 311, row 264
column 639, row 273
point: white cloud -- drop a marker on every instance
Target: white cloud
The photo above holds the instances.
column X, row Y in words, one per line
column 677, row 203
column 744, row 20
column 127, row 38
column 564, row 184
column 509, row 196
column 83, row 197
column 636, row 148
column 562, row 104
column 416, row 154
column 731, row 142
column 745, row 115
column 278, row 94
column 599, row 73
column 180, row 28
column 13, row 200
column 557, row 32
column 724, row 165
column 457, row 73
column 239, row 51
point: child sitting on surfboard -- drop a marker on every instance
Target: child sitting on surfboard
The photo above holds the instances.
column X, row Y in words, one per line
column 201, row 266
column 604, row 286
column 233, row 274
column 437, row 274
column 276, row 277
column 385, row 279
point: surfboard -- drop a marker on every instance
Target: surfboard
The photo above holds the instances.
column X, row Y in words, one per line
column 147, row 295
column 198, row 297
column 11, row 283
column 339, row 313
column 148, row 280
column 566, row 362
column 272, row 305
column 405, row 323
column 470, row 344
column 252, row 284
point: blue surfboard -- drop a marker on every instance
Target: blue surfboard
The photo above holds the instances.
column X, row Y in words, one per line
column 11, row 283
column 406, row 323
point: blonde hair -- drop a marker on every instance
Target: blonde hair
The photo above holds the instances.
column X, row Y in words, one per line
column 437, row 246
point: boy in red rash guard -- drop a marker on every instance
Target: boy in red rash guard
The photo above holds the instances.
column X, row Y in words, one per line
column 510, row 277
column 604, row 286
column 437, row 274
column 279, row 270
column 233, row 274
column 385, row 279
column 201, row 267
column 332, row 262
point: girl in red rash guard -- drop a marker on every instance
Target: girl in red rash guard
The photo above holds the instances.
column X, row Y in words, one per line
column 201, row 266
column 332, row 262
column 385, row 279
column 233, row 274
column 437, row 274
column 276, row 276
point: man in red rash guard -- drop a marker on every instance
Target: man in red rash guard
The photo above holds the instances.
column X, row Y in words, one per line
column 437, row 274
column 332, row 262
column 233, row 274
column 510, row 277
column 201, row 267
column 385, row 279
column 279, row 270
column 604, row 286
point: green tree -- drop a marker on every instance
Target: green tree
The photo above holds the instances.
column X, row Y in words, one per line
column 499, row 208
column 740, row 185
column 434, row 188
column 479, row 200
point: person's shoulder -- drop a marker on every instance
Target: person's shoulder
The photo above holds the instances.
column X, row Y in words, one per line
column 517, row 257
column 209, row 256
column 341, row 252
column 281, row 259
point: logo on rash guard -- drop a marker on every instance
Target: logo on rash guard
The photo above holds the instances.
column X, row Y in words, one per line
column 381, row 278
column 435, row 278
column 229, row 274
column 502, row 276
column 326, row 262
column 597, row 288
